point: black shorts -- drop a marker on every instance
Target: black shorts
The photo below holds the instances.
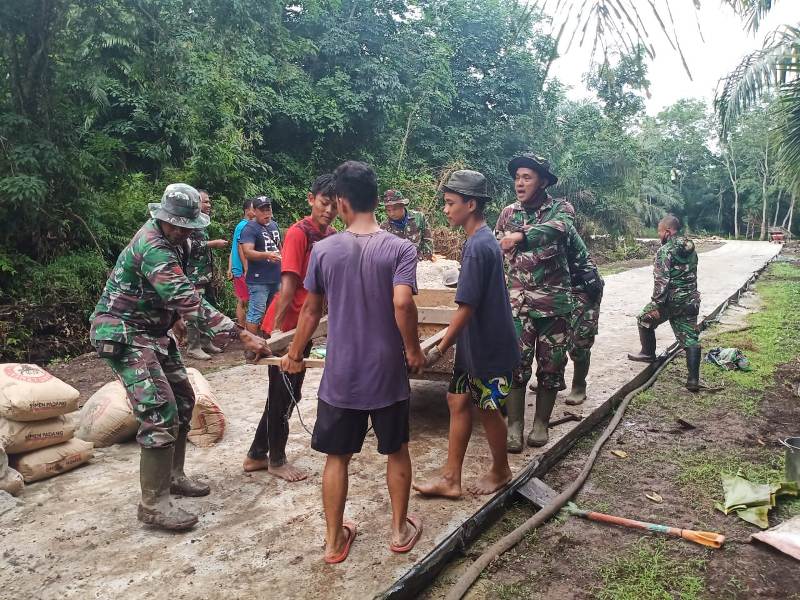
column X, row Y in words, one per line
column 342, row 430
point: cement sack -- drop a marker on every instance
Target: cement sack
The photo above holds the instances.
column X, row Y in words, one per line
column 107, row 417
column 47, row 462
column 18, row 436
column 3, row 461
column 208, row 420
column 11, row 482
column 29, row 393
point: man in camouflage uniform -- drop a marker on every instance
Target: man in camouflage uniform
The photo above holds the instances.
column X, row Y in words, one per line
column 533, row 236
column 675, row 299
column 587, row 293
column 200, row 271
column 146, row 293
column 407, row 224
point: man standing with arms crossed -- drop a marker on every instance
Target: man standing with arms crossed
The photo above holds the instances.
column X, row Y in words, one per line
column 146, row 293
column 268, row 450
column 533, row 237
column 368, row 278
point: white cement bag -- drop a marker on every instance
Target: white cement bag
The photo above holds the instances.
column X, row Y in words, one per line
column 208, row 420
column 107, row 417
column 11, row 482
column 47, row 462
column 29, row 393
column 18, row 436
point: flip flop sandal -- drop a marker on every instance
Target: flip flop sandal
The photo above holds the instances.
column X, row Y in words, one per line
column 342, row 556
column 416, row 523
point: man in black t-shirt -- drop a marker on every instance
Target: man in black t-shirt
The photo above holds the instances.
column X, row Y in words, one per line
column 487, row 350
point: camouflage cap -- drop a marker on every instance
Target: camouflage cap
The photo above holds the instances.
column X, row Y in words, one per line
column 180, row 206
column 467, row 183
column 532, row 161
column 394, row 197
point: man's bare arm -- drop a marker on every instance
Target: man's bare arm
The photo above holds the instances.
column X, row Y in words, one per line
column 310, row 316
column 405, row 315
column 289, row 284
column 251, row 253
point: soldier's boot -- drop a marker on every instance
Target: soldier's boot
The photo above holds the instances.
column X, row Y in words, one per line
column 156, row 508
column 648, row 339
column 545, row 401
column 193, row 345
column 577, row 394
column 693, row 367
column 515, row 406
column 181, row 485
column 207, row 344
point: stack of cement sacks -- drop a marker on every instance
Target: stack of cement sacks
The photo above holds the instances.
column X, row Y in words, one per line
column 36, row 431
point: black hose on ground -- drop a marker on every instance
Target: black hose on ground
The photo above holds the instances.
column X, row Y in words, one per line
column 507, row 542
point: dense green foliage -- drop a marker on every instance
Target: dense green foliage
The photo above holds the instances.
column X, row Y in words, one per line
column 103, row 103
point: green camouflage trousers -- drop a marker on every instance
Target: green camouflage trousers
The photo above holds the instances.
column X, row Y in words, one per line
column 585, row 324
column 547, row 339
column 159, row 392
column 684, row 324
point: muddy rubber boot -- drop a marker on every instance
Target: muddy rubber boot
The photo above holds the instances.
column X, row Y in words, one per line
column 193, row 345
column 181, row 485
column 693, row 367
column 156, row 508
column 207, row 344
column 515, row 406
column 648, row 339
column 545, row 401
column 577, row 394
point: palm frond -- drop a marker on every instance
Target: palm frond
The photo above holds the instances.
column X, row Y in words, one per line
column 768, row 68
column 752, row 11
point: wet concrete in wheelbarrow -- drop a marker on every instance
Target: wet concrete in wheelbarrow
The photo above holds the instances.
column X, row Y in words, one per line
column 76, row 535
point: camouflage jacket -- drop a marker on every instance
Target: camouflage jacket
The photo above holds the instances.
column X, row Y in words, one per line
column 537, row 271
column 675, row 275
column 147, row 292
column 582, row 269
column 200, row 266
column 416, row 231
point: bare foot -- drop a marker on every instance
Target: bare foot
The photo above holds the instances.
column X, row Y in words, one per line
column 288, row 472
column 489, row 483
column 255, row 464
column 440, row 486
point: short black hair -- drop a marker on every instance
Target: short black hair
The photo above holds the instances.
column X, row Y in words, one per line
column 324, row 185
column 357, row 182
column 201, row 191
column 671, row 222
column 248, row 203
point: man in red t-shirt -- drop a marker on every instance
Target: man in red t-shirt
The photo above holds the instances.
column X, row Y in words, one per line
column 268, row 450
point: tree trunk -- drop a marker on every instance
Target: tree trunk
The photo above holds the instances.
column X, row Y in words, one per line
column 730, row 164
column 763, row 235
column 777, row 208
column 788, row 226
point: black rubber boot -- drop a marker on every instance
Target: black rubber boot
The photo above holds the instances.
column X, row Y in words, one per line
column 156, row 508
column 693, row 367
column 182, row 485
column 577, row 394
column 648, row 339
column 515, row 406
column 545, row 401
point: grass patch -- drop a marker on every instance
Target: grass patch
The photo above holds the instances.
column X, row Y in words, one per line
column 700, row 472
column 646, row 572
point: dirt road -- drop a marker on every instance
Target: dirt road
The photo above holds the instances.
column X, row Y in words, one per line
column 76, row 536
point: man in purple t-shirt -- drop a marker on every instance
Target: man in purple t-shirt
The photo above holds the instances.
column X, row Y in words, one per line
column 368, row 277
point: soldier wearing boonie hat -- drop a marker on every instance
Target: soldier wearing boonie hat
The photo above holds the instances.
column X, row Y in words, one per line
column 533, row 235
column 408, row 224
column 146, row 293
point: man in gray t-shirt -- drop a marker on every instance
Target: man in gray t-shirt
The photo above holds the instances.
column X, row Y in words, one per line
column 368, row 277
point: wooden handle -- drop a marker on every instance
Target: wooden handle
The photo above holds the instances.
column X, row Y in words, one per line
column 308, row 363
column 704, row 538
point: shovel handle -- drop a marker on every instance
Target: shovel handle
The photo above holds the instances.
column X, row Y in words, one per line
column 704, row 538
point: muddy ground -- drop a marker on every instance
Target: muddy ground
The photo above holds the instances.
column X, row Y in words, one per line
column 735, row 428
column 76, row 536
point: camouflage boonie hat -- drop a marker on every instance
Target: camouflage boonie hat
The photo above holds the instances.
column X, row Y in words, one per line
column 532, row 161
column 467, row 183
column 180, row 206
column 394, row 197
